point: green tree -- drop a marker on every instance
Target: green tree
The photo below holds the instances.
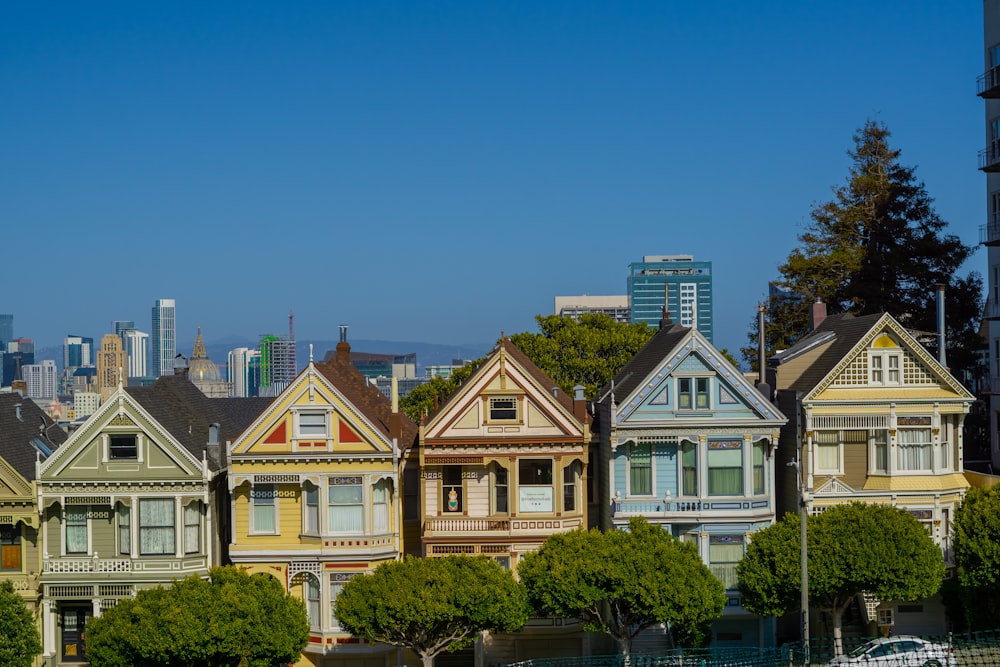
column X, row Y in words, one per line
column 432, row 605
column 19, row 642
column 877, row 246
column 852, row 549
column 425, row 398
column 589, row 350
column 232, row 619
column 621, row 582
column 977, row 556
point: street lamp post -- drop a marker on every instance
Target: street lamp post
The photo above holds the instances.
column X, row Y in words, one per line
column 803, row 555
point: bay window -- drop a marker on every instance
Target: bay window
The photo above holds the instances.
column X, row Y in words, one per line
column 76, row 530
column 915, row 449
column 345, row 505
column 725, row 468
column 534, row 481
column 156, row 526
column 640, row 466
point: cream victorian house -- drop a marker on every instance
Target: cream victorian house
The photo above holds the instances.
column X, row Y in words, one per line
column 873, row 417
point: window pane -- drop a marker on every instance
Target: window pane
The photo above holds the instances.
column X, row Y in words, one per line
column 827, row 450
column 500, row 490
column 346, row 508
column 758, row 468
column 76, row 530
column 380, row 512
column 881, row 451
column 312, row 423
column 690, row 468
column 192, row 528
column 156, row 526
column 124, row 529
column 915, row 449
column 534, row 471
column 641, row 470
column 725, row 471
column 311, row 494
column 263, row 508
column 569, row 488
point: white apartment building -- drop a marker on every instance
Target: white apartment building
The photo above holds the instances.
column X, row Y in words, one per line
column 42, row 379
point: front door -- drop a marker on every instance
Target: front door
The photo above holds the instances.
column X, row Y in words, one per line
column 74, row 621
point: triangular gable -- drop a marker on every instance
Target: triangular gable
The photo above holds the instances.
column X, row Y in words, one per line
column 695, row 354
column 537, row 412
column 12, row 484
column 852, row 370
column 85, row 454
column 834, row 486
column 272, row 433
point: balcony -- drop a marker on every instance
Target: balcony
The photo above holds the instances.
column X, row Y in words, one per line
column 522, row 525
column 989, row 158
column 988, row 84
column 989, row 234
column 692, row 510
column 117, row 566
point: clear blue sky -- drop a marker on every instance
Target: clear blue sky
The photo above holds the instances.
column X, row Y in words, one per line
column 439, row 171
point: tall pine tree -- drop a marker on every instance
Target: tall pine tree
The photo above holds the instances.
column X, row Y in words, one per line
column 877, row 246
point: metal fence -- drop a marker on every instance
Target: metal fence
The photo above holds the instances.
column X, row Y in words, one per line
column 975, row 649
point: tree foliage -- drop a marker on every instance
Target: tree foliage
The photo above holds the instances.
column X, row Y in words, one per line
column 589, row 350
column 425, row 398
column 621, row 582
column 977, row 555
column 19, row 642
column 852, row 548
column 232, row 619
column 877, row 246
column 432, row 605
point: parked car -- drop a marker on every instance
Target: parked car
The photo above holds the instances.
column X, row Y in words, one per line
column 898, row 651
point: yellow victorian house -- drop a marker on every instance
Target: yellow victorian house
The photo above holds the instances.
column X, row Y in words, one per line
column 873, row 417
column 315, row 496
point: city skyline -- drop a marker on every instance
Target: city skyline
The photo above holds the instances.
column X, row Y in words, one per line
column 418, row 159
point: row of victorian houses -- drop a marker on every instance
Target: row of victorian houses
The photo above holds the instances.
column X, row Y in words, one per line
column 329, row 479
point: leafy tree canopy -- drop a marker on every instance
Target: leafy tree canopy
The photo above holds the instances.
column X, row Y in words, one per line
column 877, row 246
column 589, row 350
column 425, row 398
column 852, row 548
column 977, row 555
column 621, row 582
column 432, row 605
column 232, row 619
column 19, row 642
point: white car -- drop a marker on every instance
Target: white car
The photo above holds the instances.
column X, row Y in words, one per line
column 898, row 651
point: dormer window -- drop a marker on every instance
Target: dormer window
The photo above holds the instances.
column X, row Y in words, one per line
column 122, row 447
column 692, row 393
column 503, row 408
column 885, row 368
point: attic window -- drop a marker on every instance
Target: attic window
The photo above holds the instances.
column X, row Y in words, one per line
column 503, row 408
column 122, row 447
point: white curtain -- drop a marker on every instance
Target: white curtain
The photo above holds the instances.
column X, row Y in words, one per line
column 76, row 530
column 156, row 526
column 827, row 450
column 192, row 528
column 124, row 529
column 380, row 512
column 263, row 508
column 915, row 449
column 312, row 599
column 346, row 508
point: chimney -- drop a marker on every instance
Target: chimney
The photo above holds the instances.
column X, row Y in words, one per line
column 817, row 313
column 940, row 325
column 395, row 417
column 579, row 403
column 665, row 322
column 17, row 412
column 343, row 347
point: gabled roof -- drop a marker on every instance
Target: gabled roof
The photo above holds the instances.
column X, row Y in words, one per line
column 186, row 413
column 844, row 336
column 364, row 396
column 16, row 434
column 645, row 361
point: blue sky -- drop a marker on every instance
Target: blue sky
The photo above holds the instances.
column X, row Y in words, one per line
column 439, row 171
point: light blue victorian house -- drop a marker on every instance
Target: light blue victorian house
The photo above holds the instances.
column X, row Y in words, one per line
column 686, row 441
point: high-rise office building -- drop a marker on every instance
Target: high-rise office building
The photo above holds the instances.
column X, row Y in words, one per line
column 121, row 326
column 675, row 282
column 243, row 372
column 163, row 340
column 136, row 346
column 110, row 365
column 277, row 364
column 78, row 351
column 6, row 330
column 20, row 353
column 41, row 379
column 988, row 88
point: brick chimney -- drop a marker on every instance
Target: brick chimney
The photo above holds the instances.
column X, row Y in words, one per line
column 817, row 313
column 343, row 347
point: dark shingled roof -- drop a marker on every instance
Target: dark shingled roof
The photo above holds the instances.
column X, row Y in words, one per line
column 186, row 413
column 16, row 434
column 639, row 367
column 364, row 396
column 847, row 330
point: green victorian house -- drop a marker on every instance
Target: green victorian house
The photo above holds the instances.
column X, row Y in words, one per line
column 130, row 502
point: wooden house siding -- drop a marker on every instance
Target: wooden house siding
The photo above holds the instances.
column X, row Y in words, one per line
column 855, row 464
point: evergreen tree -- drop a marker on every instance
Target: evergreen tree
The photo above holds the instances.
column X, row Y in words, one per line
column 877, row 246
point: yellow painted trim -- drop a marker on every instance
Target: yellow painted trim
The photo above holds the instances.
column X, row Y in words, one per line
column 930, row 483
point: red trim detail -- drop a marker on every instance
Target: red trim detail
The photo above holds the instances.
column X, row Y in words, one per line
column 347, row 434
column 277, row 436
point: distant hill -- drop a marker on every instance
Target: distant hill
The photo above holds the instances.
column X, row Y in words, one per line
column 428, row 354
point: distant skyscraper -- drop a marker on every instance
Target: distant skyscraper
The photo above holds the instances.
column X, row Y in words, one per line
column 244, row 372
column 676, row 282
column 20, row 353
column 6, row 330
column 136, row 345
column 41, row 379
column 277, row 364
column 121, row 326
column 77, row 351
column 164, row 338
column 110, row 365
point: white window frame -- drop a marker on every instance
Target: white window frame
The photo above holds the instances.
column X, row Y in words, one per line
column 628, row 470
column 252, row 527
column 188, row 550
column 380, row 524
column 65, row 542
column 173, row 526
column 873, row 435
column 330, row 504
column 928, row 445
column 503, row 420
column 300, row 430
column 839, row 470
column 307, row 509
column 881, row 371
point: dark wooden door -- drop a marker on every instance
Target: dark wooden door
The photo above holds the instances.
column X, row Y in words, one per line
column 74, row 622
